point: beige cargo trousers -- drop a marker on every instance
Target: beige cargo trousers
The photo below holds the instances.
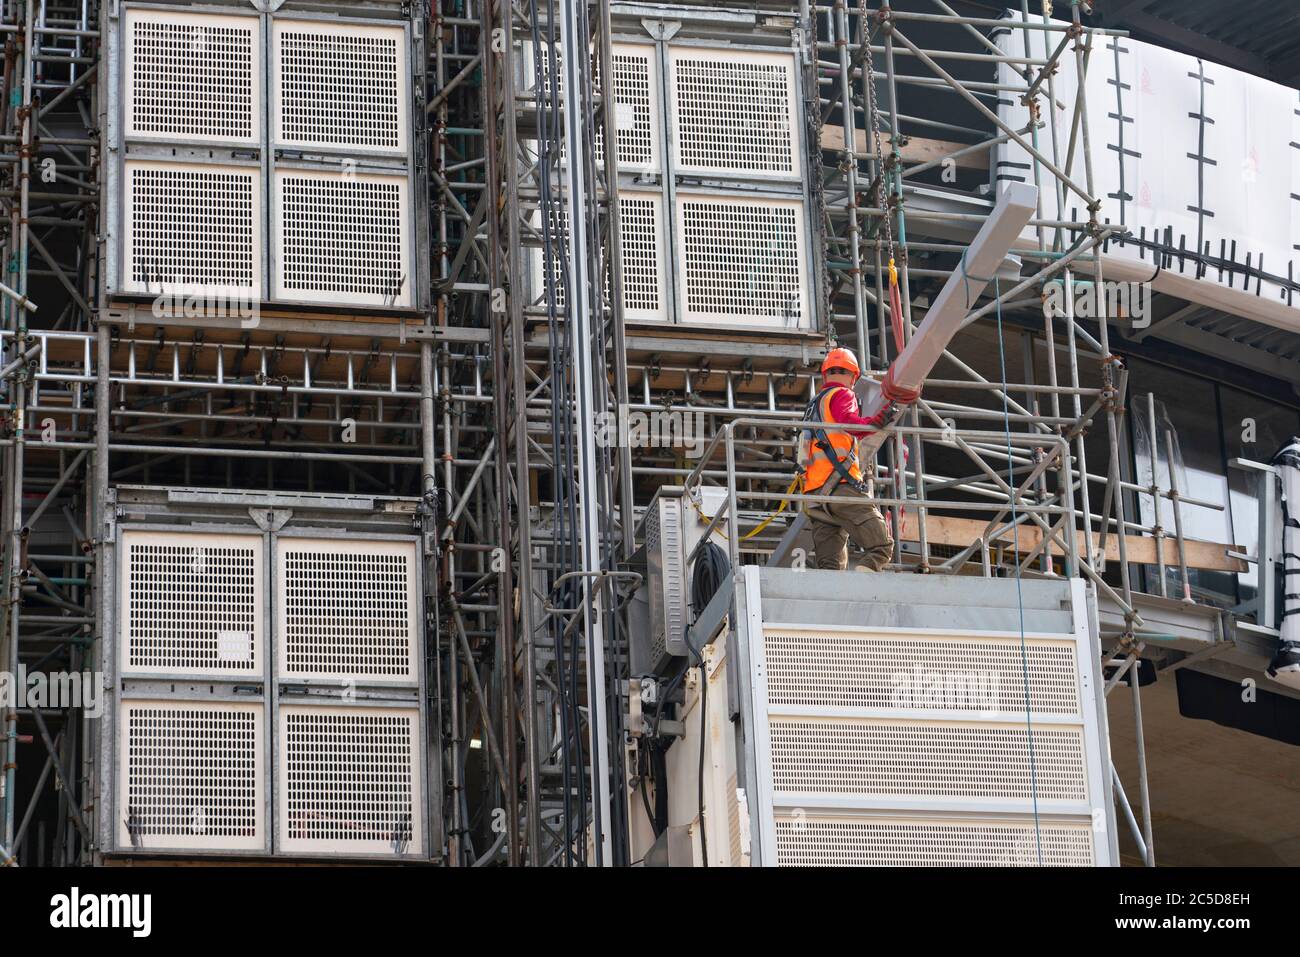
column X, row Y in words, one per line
column 854, row 517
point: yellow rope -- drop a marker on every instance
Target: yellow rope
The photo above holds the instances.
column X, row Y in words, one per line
column 761, row 525
column 768, row 521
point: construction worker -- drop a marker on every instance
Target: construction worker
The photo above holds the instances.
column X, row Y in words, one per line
column 829, row 461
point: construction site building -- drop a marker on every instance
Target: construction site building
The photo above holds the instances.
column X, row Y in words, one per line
column 401, row 404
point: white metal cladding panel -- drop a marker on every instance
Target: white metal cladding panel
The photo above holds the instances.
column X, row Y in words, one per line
column 675, row 587
column 531, row 65
column 641, row 233
column 192, row 228
column 654, row 554
column 347, row 609
column 735, row 836
column 192, row 77
column 340, row 86
column 342, row 238
column 869, row 754
column 734, row 112
column 641, row 238
column 882, row 669
column 349, row 780
column 810, row 841
column 559, row 229
column 742, row 261
column 191, row 603
column 191, row 776
column 928, row 758
column 637, row 111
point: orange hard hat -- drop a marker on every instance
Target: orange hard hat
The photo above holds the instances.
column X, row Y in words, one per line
column 841, row 359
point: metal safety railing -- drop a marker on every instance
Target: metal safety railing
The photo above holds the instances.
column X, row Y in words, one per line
column 1060, row 507
column 1057, row 526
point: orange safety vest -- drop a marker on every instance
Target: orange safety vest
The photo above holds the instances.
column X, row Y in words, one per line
column 816, row 465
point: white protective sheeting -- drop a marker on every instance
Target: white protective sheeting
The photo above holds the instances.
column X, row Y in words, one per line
column 1188, row 155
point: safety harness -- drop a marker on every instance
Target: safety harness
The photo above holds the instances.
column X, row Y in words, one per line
column 821, row 441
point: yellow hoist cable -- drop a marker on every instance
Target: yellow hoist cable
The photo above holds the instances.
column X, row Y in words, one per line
column 761, row 525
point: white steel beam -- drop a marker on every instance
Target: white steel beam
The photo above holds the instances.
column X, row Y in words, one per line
column 960, row 293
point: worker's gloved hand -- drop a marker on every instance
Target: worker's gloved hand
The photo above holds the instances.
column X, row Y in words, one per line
column 889, row 414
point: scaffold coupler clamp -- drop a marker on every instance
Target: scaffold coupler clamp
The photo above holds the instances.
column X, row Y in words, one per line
column 1111, row 399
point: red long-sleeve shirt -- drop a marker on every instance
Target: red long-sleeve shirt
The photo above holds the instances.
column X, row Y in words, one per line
column 844, row 410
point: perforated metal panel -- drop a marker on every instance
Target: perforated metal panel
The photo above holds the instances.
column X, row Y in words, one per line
column 645, row 293
column 735, row 841
column 636, row 109
column 192, row 77
column 191, row 603
column 875, row 715
column 734, row 112
column 559, row 226
column 888, row 745
column 928, row 758
column 666, row 573
column 637, row 112
column 349, row 781
column 654, row 550
column 191, row 776
column 872, row 670
column 347, row 609
column 641, row 237
column 342, row 237
column 340, row 86
column 534, row 53
column 192, row 228
column 742, row 261
column 871, row 842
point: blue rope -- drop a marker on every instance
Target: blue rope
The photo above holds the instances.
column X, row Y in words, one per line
column 1015, row 548
column 1015, row 538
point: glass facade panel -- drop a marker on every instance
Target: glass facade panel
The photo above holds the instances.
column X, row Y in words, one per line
column 1189, row 406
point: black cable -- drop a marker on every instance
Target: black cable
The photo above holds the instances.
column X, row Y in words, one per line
column 659, row 764
column 564, row 541
column 711, row 568
column 699, row 784
column 643, row 771
column 659, row 758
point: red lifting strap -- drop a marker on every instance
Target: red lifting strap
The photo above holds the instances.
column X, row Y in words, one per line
column 896, row 315
column 894, row 392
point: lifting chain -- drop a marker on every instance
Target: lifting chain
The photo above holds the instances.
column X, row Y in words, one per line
column 873, row 109
column 887, row 166
column 817, row 185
